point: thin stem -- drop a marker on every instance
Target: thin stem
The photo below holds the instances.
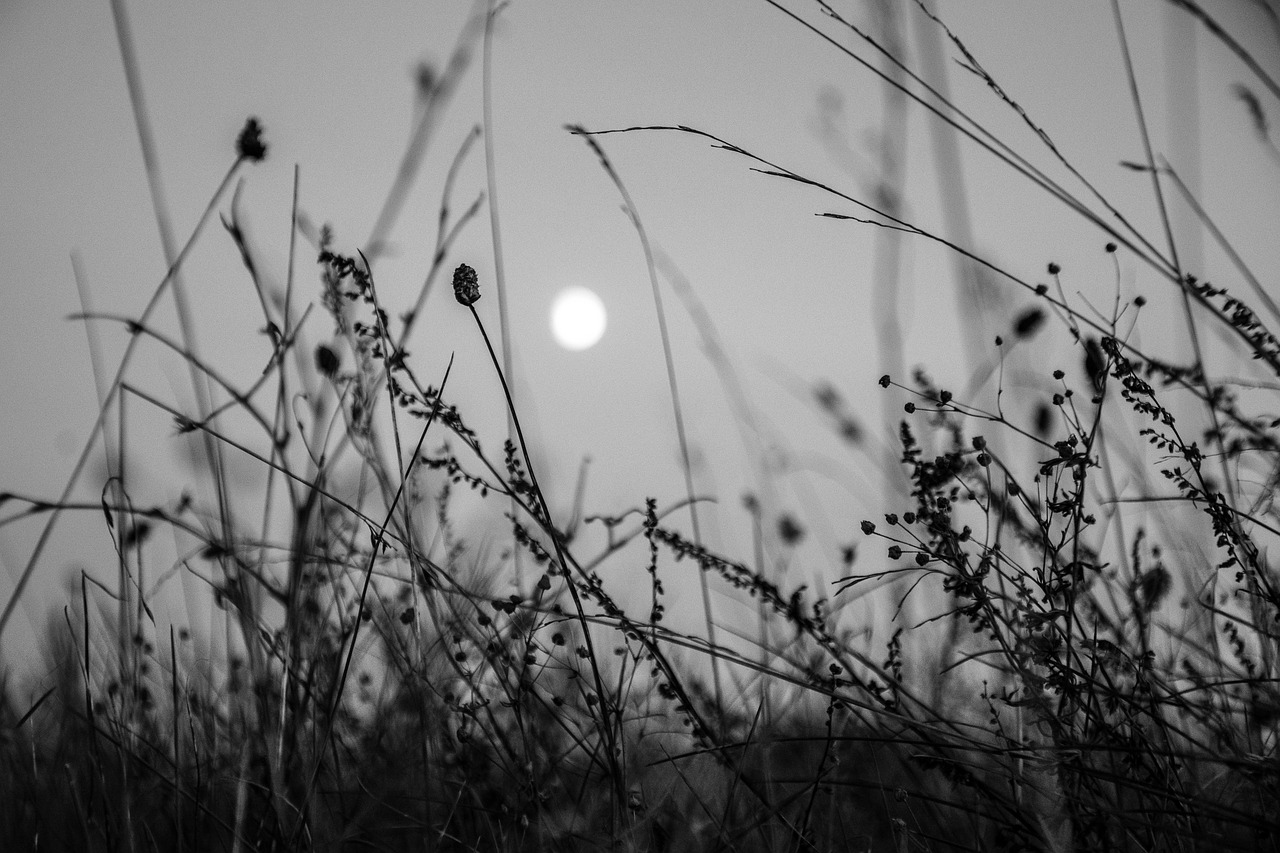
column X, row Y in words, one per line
column 100, row 420
column 499, row 267
column 686, row 463
column 558, row 546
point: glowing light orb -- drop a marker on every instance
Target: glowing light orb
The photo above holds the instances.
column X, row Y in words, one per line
column 577, row 318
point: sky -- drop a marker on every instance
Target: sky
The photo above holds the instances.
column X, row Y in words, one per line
column 792, row 296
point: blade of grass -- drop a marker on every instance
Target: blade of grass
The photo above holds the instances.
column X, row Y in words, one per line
column 82, row 460
column 686, row 464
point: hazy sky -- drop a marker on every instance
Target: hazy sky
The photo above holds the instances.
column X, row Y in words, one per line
column 790, row 294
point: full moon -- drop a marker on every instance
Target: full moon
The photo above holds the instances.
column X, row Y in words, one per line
column 577, row 318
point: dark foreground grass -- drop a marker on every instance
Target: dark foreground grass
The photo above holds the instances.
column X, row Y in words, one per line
column 1073, row 677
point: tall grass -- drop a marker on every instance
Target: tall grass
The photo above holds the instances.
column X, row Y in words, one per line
column 1076, row 646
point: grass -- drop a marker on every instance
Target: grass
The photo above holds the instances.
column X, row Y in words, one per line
column 1076, row 646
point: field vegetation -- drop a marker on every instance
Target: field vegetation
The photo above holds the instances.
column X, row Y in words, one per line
column 1060, row 630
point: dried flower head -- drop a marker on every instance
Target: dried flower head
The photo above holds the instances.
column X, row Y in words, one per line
column 466, row 285
column 1028, row 323
column 249, row 144
column 426, row 78
column 327, row 361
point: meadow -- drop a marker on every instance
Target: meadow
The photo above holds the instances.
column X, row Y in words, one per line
column 1056, row 628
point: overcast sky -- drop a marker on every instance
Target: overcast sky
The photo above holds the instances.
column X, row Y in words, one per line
column 791, row 295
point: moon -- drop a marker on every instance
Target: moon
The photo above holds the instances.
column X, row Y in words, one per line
column 577, row 318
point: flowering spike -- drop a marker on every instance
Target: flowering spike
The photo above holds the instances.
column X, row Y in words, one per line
column 466, row 285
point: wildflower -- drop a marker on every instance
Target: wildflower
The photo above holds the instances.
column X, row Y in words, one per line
column 466, row 285
column 249, row 144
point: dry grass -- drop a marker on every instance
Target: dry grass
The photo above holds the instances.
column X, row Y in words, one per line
column 1071, row 678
